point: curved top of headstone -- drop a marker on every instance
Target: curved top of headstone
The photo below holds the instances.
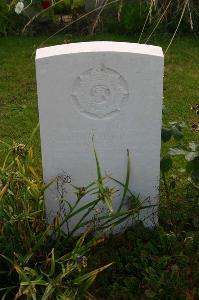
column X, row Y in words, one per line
column 98, row 46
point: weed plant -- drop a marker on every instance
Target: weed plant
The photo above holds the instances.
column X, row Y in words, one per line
column 40, row 260
column 163, row 262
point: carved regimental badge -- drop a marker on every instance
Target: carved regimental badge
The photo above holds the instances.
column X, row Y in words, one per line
column 99, row 93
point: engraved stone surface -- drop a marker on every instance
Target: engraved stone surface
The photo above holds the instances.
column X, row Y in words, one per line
column 111, row 91
column 100, row 92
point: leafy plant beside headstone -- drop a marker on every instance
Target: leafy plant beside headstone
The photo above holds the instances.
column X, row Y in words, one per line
column 39, row 260
column 190, row 153
column 36, row 264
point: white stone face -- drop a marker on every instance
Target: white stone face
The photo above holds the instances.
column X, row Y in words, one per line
column 112, row 91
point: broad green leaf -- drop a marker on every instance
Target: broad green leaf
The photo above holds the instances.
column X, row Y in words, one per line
column 126, row 185
column 166, row 134
column 191, row 156
column 48, row 292
column 38, row 281
column 194, row 146
column 99, row 175
column 195, row 176
column 177, row 134
column 177, row 151
column 166, row 164
column 90, row 275
column 81, row 239
column 192, row 165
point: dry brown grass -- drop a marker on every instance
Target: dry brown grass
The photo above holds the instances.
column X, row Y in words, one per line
column 176, row 8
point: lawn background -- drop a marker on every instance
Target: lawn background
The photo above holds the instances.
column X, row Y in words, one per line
column 18, row 97
column 157, row 264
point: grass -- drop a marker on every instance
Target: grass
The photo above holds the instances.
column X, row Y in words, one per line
column 158, row 264
column 162, row 263
column 148, row 264
column 18, row 98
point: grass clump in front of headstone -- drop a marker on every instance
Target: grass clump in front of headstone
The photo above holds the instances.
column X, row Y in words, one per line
column 40, row 260
column 162, row 263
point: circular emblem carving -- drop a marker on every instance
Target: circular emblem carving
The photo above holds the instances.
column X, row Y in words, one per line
column 99, row 93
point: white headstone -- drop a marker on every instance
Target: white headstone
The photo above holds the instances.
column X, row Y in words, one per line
column 112, row 91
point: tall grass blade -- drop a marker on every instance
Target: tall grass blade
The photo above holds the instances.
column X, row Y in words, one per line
column 146, row 20
column 159, row 21
column 180, row 20
column 48, row 292
column 99, row 175
column 32, row 135
column 89, row 278
column 52, row 269
column 70, row 24
column 126, row 185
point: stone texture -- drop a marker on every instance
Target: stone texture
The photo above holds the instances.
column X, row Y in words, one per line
column 112, row 91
